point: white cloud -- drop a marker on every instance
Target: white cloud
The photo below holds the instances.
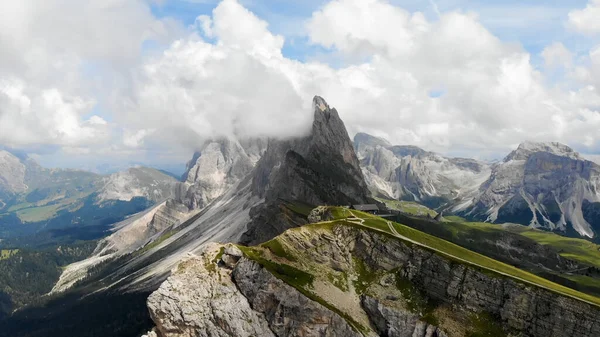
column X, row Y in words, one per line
column 243, row 86
column 236, row 87
column 55, row 59
column 237, row 82
column 586, row 20
column 29, row 115
column 557, row 55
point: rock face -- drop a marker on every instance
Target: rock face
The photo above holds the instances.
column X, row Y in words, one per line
column 544, row 185
column 212, row 293
column 12, row 173
column 397, row 323
column 137, row 182
column 410, row 173
column 205, row 298
column 216, row 168
column 320, row 169
column 212, row 307
column 287, row 311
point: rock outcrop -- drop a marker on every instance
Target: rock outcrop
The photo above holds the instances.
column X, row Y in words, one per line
column 319, row 169
column 137, row 182
column 216, row 168
column 392, row 322
column 204, row 297
column 201, row 300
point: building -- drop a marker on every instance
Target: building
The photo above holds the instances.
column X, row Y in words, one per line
column 368, row 208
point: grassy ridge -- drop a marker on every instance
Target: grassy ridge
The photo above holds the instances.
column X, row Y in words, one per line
column 576, row 249
column 463, row 255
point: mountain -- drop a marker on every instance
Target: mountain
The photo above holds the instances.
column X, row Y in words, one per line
column 361, row 276
column 217, row 167
column 296, row 267
column 546, row 185
column 410, row 173
column 229, row 194
column 319, row 169
column 40, row 206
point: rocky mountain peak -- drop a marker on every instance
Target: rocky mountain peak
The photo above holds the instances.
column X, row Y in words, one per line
column 215, row 168
column 362, row 138
column 137, row 182
column 525, row 149
column 12, row 173
column 319, row 169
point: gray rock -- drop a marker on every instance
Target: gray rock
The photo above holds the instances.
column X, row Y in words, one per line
column 545, row 185
column 408, row 172
column 288, row 312
column 530, row 310
column 198, row 302
column 231, row 255
column 319, row 169
column 215, row 168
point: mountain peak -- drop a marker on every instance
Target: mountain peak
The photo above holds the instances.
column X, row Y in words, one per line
column 525, row 149
column 319, row 104
column 362, row 138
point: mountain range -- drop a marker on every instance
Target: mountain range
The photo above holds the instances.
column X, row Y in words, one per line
column 543, row 185
column 298, row 264
column 41, row 206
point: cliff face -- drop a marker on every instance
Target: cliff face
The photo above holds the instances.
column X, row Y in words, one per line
column 318, row 169
column 216, row 168
column 204, row 299
column 339, row 280
column 410, row 173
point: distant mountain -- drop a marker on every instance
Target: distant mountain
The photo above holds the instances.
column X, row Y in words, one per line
column 40, row 205
column 411, row 173
column 546, row 185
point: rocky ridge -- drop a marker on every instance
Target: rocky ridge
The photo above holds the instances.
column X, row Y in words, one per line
column 321, row 168
column 546, row 185
column 410, row 173
column 137, row 182
column 338, row 280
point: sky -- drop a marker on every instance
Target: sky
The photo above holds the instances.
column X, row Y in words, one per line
column 88, row 83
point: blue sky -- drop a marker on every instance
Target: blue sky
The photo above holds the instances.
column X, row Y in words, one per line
column 532, row 24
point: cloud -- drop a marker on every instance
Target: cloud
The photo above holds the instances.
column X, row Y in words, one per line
column 32, row 116
column 227, row 75
column 557, row 55
column 241, row 85
column 586, row 20
column 56, row 57
column 236, row 87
